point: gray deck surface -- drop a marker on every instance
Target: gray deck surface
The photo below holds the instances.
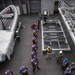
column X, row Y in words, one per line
column 22, row 52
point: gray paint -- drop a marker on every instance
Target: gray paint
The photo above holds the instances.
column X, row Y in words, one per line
column 48, row 5
column 35, row 6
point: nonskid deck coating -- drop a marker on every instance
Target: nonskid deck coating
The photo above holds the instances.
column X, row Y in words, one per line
column 21, row 55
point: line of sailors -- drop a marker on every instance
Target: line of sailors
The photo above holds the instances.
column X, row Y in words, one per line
column 65, row 66
column 34, row 61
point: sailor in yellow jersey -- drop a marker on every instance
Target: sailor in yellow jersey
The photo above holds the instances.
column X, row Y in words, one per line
column 48, row 52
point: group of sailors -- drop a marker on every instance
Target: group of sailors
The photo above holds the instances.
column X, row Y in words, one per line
column 65, row 65
column 64, row 62
column 34, row 60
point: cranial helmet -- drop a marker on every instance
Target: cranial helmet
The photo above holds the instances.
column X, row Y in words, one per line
column 34, row 37
column 36, row 27
column 33, row 52
column 34, row 59
column 34, row 45
column 60, row 52
column 34, row 31
column 67, row 69
column 65, row 59
column 22, row 68
column 8, row 72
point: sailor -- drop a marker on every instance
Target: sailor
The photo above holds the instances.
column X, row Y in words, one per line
column 24, row 70
column 33, row 54
column 35, row 33
column 45, row 16
column 34, row 63
column 8, row 72
column 34, row 40
column 60, row 57
column 34, row 49
column 65, row 64
column 38, row 19
column 17, row 35
column 36, row 28
column 34, row 25
column 34, row 46
column 48, row 52
column 67, row 71
column 72, row 66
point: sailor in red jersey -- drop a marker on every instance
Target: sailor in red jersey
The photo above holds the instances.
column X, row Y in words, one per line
column 8, row 72
column 24, row 70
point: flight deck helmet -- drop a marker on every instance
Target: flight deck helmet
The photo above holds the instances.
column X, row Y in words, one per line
column 8, row 72
column 65, row 60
